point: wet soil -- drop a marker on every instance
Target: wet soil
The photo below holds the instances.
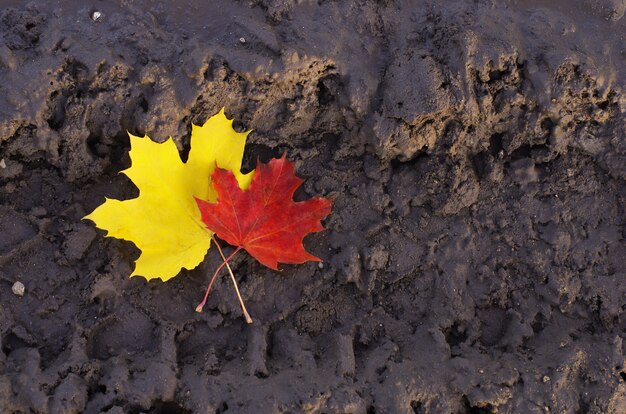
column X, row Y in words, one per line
column 475, row 258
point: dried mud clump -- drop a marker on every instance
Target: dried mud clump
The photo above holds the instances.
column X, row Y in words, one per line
column 474, row 258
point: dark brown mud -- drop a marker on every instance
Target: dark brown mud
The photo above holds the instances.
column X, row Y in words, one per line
column 474, row 261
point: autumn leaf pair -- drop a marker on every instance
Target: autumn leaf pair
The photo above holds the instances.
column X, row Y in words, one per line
column 182, row 205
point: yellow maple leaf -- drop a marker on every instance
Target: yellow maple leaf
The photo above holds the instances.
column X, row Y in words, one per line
column 164, row 221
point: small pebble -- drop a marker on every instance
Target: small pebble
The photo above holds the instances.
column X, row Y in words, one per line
column 38, row 211
column 18, row 288
column 96, row 15
column 546, row 379
column 3, row 164
column 242, row 40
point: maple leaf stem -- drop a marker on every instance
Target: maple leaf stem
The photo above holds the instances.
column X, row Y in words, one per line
column 208, row 289
column 232, row 277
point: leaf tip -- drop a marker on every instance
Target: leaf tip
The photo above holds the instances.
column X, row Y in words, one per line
column 134, row 138
column 199, row 202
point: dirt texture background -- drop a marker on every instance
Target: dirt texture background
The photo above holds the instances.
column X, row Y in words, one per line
column 475, row 258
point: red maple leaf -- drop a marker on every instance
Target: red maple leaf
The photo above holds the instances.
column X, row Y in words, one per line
column 264, row 220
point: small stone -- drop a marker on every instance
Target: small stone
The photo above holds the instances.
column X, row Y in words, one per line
column 242, row 40
column 546, row 379
column 96, row 15
column 18, row 288
column 412, row 37
column 38, row 211
column 3, row 164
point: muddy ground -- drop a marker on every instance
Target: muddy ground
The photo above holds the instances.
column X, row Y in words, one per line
column 475, row 258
